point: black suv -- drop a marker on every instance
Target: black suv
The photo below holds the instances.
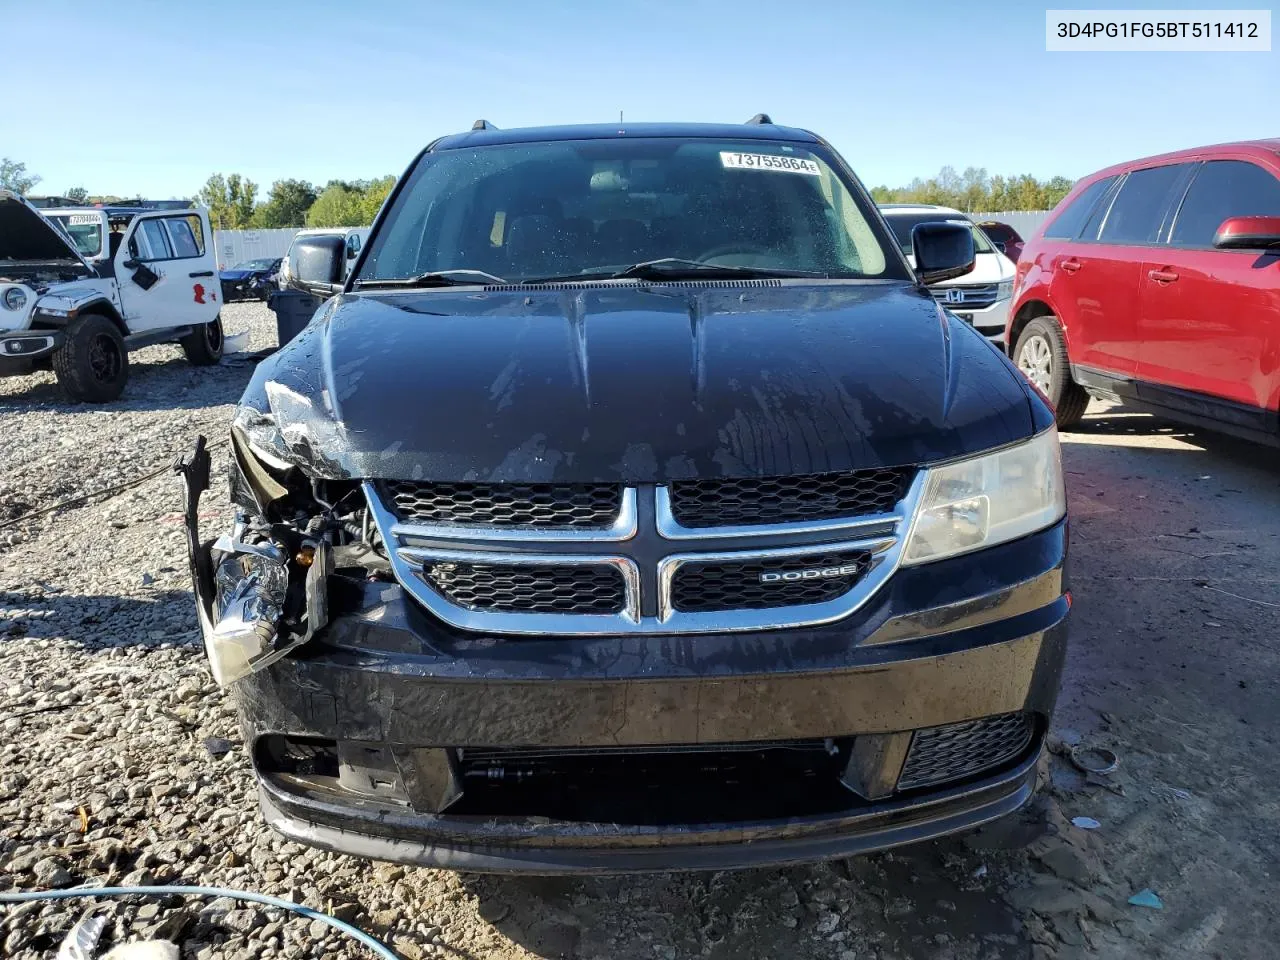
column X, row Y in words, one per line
column 631, row 505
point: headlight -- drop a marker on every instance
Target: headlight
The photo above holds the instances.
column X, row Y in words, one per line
column 982, row 501
column 15, row 298
column 1004, row 289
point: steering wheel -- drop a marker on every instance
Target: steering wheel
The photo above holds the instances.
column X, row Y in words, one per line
column 729, row 248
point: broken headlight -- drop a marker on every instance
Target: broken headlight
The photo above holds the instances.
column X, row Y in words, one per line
column 250, row 584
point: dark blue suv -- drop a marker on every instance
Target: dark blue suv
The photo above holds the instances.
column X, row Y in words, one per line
column 632, row 505
column 250, row 280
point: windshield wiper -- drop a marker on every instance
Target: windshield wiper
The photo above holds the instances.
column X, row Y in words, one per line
column 675, row 268
column 669, row 267
column 436, row 278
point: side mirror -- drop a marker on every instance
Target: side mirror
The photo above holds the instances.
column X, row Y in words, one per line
column 316, row 264
column 943, row 250
column 1248, row 233
column 353, row 245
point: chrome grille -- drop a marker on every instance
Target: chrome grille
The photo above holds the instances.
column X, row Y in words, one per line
column 529, row 588
column 506, row 504
column 818, row 496
column 737, row 585
column 973, row 296
column 636, row 568
column 959, row 750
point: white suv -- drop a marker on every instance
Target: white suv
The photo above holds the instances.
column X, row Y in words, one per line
column 80, row 288
column 982, row 296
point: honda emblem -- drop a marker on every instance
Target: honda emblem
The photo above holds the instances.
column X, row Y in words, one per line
column 954, row 295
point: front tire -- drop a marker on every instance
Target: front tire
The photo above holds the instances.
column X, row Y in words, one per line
column 1041, row 354
column 92, row 364
column 203, row 345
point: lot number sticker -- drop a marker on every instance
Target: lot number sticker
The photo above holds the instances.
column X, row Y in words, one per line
column 78, row 219
column 769, row 161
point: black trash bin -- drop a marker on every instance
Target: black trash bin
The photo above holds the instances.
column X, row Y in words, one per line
column 294, row 310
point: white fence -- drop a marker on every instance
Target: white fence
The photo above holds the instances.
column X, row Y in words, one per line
column 1026, row 222
column 236, row 246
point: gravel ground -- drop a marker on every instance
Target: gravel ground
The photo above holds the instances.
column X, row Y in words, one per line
column 108, row 714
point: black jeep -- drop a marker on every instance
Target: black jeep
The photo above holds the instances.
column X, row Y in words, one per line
column 632, row 505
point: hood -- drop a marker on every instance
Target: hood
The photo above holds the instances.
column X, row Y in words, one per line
column 636, row 383
column 26, row 235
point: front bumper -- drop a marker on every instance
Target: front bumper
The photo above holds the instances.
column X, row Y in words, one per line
column 401, row 698
column 24, row 345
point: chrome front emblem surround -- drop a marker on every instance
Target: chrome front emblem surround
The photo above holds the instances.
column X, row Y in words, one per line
column 649, row 553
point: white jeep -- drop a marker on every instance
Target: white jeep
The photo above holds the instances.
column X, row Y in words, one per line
column 80, row 288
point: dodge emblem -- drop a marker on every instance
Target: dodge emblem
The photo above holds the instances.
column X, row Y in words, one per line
column 816, row 573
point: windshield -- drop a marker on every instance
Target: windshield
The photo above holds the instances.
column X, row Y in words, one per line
column 902, row 223
column 532, row 211
column 255, row 264
column 84, row 229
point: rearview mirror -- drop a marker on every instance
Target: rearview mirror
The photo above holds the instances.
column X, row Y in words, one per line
column 1248, row 233
column 316, row 264
column 943, row 250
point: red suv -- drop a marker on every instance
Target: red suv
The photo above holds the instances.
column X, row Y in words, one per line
column 1157, row 283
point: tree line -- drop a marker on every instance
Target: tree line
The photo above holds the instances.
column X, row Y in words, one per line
column 976, row 190
column 233, row 205
column 233, row 202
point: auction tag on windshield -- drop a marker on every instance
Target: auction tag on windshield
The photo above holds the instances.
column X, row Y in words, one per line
column 77, row 219
column 769, row 161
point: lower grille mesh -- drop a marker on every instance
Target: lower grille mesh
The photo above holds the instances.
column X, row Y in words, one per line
column 959, row 750
column 701, row 586
column 529, row 588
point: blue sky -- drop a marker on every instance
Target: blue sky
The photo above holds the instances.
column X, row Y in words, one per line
column 151, row 97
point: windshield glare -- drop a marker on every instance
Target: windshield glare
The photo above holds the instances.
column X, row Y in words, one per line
column 902, row 223
column 533, row 211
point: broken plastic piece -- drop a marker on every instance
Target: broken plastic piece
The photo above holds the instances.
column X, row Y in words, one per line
column 81, row 941
column 235, row 343
column 1098, row 761
column 1147, row 898
column 1085, row 823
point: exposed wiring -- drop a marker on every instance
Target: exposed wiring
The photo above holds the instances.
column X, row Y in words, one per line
column 92, row 494
column 377, row 946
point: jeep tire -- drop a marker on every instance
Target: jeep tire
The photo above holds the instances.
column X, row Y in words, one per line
column 203, row 345
column 1041, row 354
column 92, row 364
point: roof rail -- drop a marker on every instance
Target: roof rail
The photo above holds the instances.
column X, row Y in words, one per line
column 760, row 118
column 483, row 124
